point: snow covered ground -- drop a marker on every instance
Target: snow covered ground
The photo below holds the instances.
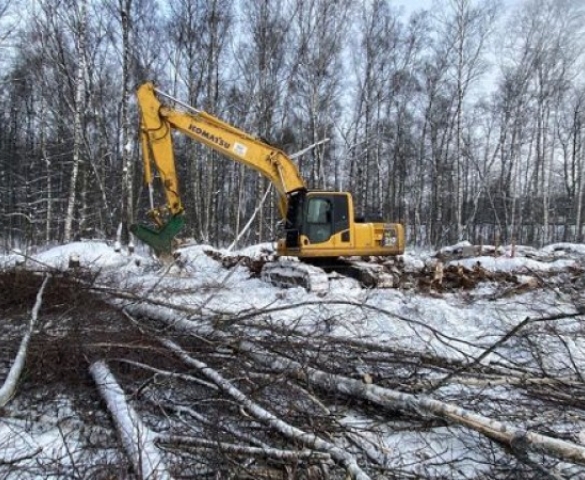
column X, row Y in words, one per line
column 457, row 326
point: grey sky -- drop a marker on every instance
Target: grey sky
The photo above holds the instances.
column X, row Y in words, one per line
column 487, row 83
column 412, row 5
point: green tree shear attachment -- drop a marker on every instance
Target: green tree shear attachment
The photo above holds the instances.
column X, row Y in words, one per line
column 160, row 239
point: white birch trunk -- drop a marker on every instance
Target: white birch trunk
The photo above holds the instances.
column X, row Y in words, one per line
column 127, row 164
column 48, row 166
column 264, row 452
column 9, row 386
column 580, row 184
column 77, row 119
column 137, row 439
column 251, row 220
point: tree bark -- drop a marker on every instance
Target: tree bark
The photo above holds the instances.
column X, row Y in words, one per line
column 137, row 439
column 78, row 115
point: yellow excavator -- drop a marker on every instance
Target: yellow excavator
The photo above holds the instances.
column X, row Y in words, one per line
column 317, row 224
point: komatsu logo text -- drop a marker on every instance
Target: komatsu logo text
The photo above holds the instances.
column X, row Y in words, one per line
column 209, row 136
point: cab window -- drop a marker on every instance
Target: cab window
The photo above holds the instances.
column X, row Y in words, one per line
column 319, row 220
column 319, row 211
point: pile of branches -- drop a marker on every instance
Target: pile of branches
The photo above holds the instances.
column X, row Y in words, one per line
column 178, row 394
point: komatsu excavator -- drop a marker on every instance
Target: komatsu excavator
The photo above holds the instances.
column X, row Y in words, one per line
column 318, row 225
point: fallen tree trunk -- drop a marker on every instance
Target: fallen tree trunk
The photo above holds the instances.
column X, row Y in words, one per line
column 523, row 440
column 9, row 386
column 263, row 452
column 137, row 438
column 520, row 439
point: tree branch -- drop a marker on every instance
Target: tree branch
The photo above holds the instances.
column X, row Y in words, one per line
column 339, row 455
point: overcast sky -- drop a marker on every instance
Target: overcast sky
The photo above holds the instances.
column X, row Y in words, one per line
column 487, row 82
column 411, row 5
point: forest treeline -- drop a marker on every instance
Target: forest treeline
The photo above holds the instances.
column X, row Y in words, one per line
column 464, row 122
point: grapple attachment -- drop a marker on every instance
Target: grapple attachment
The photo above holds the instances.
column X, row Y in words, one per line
column 160, row 239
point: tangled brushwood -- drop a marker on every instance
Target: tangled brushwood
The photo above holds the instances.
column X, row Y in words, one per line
column 123, row 383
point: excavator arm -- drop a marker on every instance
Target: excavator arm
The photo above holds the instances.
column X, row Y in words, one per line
column 157, row 122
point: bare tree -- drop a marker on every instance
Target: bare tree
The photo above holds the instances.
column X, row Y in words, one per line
column 6, row 27
column 200, row 32
column 263, row 65
column 381, row 137
column 473, row 26
column 457, row 63
column 125, row 11
column 571, row 132
column 314, row 91
column 79, row 25
column 542, row 59
column 379, row 32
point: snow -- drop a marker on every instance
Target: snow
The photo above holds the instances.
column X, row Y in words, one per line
column 51, row 439
column 516, row 264
column 383, row 313
column 452, row 325
column 92, row 254
column 404, row 318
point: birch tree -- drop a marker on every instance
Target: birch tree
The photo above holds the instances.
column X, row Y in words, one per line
column 263, row 68
column 381, row 136
column 79, row 24
column 472, row 28
column 372, row 63
column 462, row 31
column 6, row 25
column 126, row 138
column 542, row 43
column 315, row 90
column 571, row 137
column 200, row 33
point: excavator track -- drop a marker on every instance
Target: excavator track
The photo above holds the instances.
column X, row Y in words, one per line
column 368, row 274
column 318, row 276
column 293, row 273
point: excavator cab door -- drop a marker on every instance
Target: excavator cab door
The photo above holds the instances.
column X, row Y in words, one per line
column 317, row 222
column 293, row 224
column 326, row 216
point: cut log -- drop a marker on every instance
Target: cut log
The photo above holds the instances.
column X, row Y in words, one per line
column 137, row 438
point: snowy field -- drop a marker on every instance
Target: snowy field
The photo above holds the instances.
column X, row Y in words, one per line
column 512, row 353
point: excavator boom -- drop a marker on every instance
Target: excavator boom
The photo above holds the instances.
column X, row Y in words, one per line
column 156, row 125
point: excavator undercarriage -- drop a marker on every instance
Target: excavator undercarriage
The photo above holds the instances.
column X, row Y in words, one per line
column 319, row 276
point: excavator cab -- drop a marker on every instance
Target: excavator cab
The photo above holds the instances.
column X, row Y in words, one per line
column 316, row 221
column 327, row 214
column 321, row 224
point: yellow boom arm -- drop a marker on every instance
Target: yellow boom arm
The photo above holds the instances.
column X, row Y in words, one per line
column 157, row 122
